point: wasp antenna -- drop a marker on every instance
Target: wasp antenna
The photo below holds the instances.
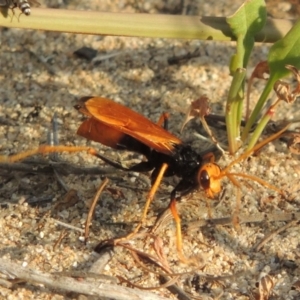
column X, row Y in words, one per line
column 254, row 178
column 256, row 148
column 230, row 176
column 19, row 156
column 45, row 149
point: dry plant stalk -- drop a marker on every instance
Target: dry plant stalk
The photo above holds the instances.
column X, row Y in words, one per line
column 92, row 208
column 97, row 288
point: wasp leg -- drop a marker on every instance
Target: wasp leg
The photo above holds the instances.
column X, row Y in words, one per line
column 150, row 197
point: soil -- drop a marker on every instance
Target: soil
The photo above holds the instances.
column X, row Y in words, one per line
column 42, row 220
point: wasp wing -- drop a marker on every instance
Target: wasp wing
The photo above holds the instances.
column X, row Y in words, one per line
column 121, row 119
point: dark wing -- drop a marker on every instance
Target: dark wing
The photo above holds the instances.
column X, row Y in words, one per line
column 119, row 119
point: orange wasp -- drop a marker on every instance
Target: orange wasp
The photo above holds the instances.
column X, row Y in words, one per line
column 121, row 128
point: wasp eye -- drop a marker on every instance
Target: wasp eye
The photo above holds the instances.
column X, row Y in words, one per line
column 204, row 179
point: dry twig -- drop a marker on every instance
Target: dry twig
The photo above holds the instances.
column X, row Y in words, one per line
column 92, row 208
column 99, row 289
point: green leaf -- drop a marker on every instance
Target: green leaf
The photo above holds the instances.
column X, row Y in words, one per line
column 284, row 52
column 248, row 20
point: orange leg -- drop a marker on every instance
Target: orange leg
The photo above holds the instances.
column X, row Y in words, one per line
column 147, row 205
column 163, row 119
column 177, row 219
column 44, row 149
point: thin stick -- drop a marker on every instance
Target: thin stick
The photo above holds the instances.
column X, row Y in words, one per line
column 42, row 166
column 243, row 219
column 92, row 208
column 104, row 257
column 62, row 235
column 52, row 139
column 211, row 135
column 98, row 289
column 67, row 225
column 272, row 234
column 166, row 217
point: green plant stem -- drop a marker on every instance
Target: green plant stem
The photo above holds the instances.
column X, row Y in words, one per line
column 140, row 25
column 259, row 105
column 233, row 106
column 261, row 125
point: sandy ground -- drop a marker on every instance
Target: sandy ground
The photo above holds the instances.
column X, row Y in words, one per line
column 41, row 77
